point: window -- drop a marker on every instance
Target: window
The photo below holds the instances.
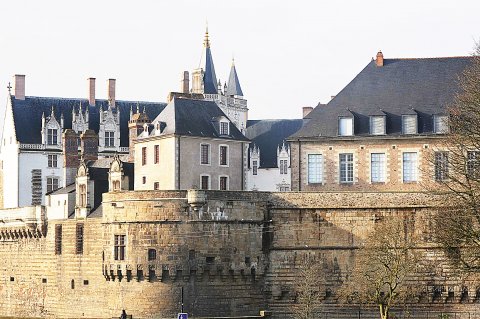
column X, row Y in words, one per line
column 52, row 160
column 377, row 168
column 223, row 181
column 377, row 125
column 441, row 166
column 224, row 155
column 315, row 168
column 156, row 186
column 144, row 179
column 346, row 168
column 345, row 126
column 409, row 167
column 204, row 182
column 224, row 126
column 440, row 124
column 52, row 184
column 473, row 164
column 156, row 158
column 255, row 167
column 116, row 185
column 109, row 139
column 205, row 154
column 79, row 239
column 119, row 247
column 144, row 156
column 409, row 124
column 58, row 239
column 83, row 195
column 283, row 166
column 152, row 254
column 52, row 136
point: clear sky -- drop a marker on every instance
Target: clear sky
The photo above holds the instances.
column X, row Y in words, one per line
column 288, row 54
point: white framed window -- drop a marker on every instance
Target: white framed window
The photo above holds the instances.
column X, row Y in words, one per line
column 52, row 184
column 255, row 167
column 52, row 160
column 283, row 167
column 346, row 167
column 52, row 136
column 315, row 168
column 377, row 167
column 224, row 128
column 410, row 169
column 377, row 125
column 409, row 124
column 205, row 154
column 205, row 182
column 223, row 155
column 223, row 183
column 440, row 124
column 345, row 126
column 109, row 139
column 441, row 166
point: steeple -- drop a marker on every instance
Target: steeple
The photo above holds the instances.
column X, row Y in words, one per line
column 233, row 87
column 209, row 78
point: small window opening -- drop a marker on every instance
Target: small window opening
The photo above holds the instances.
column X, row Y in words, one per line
column 151, row 275
column 191, row 254
column 247, row 260
column 152, row 254
column 44, row 280
column 139, row 274
column 72, row 284
column 85, row 282
column 210, row 260
column 12, row 278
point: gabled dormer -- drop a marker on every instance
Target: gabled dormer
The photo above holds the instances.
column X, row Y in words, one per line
column 83, row 186
column 283, row 158
column 109, row 131
column 222, row 125
column 80, row 119
column 120, row 175
column 254, row 159
column 346, row 124
column 410, row 122
column 52, row 130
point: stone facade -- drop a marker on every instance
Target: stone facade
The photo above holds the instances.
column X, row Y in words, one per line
column 234, row 253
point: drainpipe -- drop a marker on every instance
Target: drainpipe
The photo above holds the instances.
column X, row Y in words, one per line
column 299, row 165
column 178, row 163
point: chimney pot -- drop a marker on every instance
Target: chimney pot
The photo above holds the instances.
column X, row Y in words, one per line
column 91, row 91
column 185, row 83
column 379, row 60
column 111, row 91
column 307, row 110
column 19, row 86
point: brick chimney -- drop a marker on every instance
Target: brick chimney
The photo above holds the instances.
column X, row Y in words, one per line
column 135, row 128
column 89, row 145
column 111, row 91
column 19, row 86
column 185, row 83
column 307, row 110
column 70, row 156
column 379, row 60
column 91, row 91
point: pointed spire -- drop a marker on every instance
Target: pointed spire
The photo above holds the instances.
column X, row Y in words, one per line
column 138, row 107
column 52, row 114
column 131, row 111
column 234, row 87
column 209, row 78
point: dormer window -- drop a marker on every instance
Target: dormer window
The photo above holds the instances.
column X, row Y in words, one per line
column 440, row 124
column 345, row 126
column 377, row 125
column 224, row 128
column 52, row 136
column 409, row 124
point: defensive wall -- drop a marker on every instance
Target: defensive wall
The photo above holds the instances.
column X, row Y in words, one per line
column 232, row 253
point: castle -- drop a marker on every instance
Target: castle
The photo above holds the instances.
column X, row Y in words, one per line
column 98, row 218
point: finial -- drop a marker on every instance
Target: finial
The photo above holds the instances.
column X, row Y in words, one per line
column 144, row 109
column 233, row 60
column 206, row 41
column 9, row 87
column 138, row 107
column 51, row 113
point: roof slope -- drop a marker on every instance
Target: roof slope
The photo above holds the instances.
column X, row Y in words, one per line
column 401, row 86
column 234, row 87
column 188, row 117
column 28, row 115
column 267, row 135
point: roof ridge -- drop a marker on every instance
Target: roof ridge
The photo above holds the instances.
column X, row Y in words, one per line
column 86, row 99
column 431, row 58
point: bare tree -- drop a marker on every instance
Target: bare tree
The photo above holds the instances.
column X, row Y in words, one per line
column 309, row 288
column 383, row 266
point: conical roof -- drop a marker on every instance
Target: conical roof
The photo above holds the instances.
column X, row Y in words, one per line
column 234, row 87
column 209, row 77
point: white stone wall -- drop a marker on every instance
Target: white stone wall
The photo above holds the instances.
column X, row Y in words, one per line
column 268, row 179
column 58, row 206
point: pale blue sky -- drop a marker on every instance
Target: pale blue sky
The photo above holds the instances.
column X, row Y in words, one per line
column 288, row 54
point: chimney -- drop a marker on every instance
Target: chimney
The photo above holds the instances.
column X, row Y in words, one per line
column 379, row 60
column 111, row 91
column 185, row 83
column 307, row 110
column 135, row 128
column 91, row 91
column 70, row 156
column 19, row 86
column 89, row 145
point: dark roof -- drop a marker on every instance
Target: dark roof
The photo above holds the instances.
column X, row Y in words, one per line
column 209, row 78
column 28, row 115
column 401, row 86
column 64, row 190
column 188, row 117
column 234, row 87
column 267, row 135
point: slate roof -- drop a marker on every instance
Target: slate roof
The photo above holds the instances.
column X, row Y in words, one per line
column 234, row 87
column 268, row 135
column 401, row 86
column 188, row 117
column 209, row 77
column 28, row 115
